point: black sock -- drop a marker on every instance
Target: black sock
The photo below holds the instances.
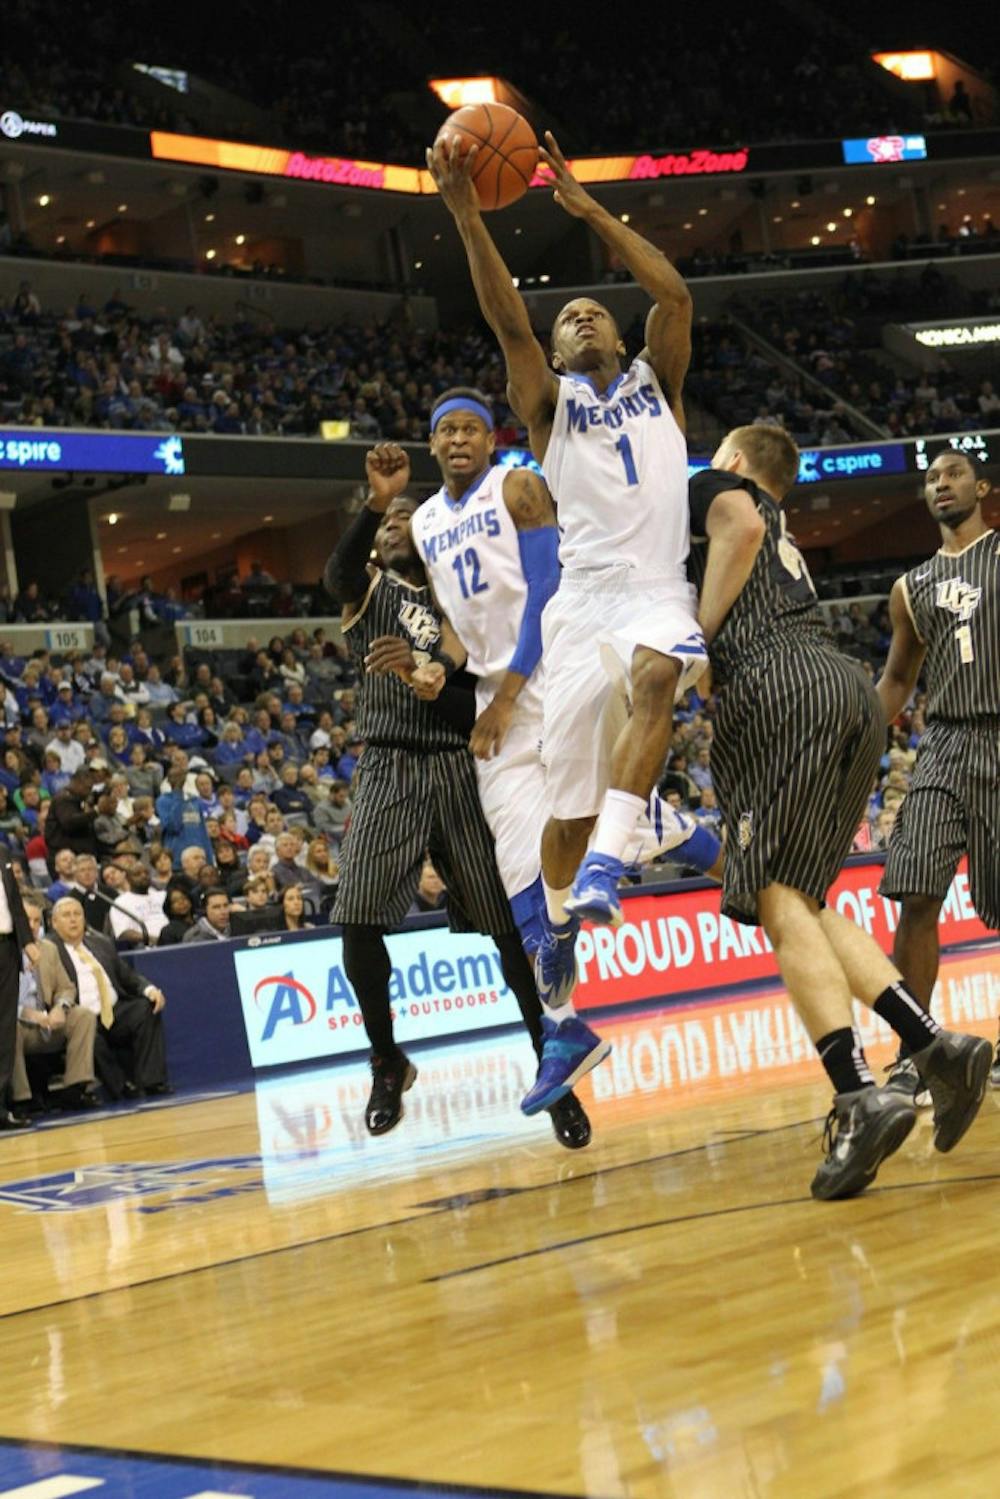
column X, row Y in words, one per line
column 368, row 969
column 842, row 1056
column 904, row 1012
column 521, row 978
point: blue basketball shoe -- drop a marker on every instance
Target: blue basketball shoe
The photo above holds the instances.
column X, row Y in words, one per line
column 569, row 1051
column 555, row 962
column 594, row 896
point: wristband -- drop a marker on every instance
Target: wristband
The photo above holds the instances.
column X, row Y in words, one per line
column 443, row 659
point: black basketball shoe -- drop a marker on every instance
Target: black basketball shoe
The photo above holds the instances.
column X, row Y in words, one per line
column 570, row 1124
column 956, row 1069
column 391, row 1077
column 862, row 1129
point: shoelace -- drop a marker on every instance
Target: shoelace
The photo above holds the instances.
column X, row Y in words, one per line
column 828, row 1135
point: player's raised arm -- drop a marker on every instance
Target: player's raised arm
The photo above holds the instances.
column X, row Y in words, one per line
column 906, row 656
column 533, row 386
column 347, row 573
column 668, row 327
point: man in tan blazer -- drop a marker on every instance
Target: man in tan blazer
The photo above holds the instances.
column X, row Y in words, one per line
column 48, row 1021
column 129, row 1045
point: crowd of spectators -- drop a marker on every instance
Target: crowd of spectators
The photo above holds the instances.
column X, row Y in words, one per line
column 181, row 802
column 90, row 366
column 360, row 88
column 837, row 339
column 112, row 366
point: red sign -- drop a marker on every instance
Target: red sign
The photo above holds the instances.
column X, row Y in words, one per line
column 689, row 164
column 335, row 169
column 672, row 945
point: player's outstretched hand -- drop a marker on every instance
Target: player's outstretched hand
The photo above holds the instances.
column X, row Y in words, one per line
column 452, row 173
column 428, row 681
column 390, row 655
column 568, row 192
column 490, row 729
column 387, row 468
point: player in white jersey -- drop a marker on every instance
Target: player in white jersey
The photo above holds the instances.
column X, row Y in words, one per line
column 490, row 546
column 622, row 626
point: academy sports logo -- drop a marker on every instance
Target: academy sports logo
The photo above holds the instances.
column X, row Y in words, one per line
column 958, row 597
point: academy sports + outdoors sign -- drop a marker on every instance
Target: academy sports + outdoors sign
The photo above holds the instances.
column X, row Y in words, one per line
column 298, row 1006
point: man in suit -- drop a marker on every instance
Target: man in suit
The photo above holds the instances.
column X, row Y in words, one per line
column 16, row 941
column 58, row 1026
column 128, row 1008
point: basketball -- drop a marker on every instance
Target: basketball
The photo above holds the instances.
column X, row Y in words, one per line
column 508, row 150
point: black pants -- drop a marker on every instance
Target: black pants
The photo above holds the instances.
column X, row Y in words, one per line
column 10, row 976
column 133, row 1050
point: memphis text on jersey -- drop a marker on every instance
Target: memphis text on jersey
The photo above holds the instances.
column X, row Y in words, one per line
column 580, row 415
column 478, row 523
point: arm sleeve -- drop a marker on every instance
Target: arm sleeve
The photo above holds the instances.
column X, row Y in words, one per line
column 346, row 575
column 704, row 488
column 539, row 550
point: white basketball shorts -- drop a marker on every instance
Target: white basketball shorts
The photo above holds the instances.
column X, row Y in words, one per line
column 591, row 629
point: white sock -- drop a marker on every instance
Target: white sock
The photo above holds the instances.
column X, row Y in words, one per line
column 555, row 903
column 616, row 824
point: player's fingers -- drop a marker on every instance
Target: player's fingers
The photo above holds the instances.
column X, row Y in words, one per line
column 553, row 146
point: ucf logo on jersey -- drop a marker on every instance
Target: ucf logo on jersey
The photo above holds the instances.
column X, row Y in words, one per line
column 421, row 624
column 958, row 597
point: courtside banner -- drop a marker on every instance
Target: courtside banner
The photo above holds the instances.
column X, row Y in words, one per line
column 297, row 1003
column 669, row 945
column 298, row 1006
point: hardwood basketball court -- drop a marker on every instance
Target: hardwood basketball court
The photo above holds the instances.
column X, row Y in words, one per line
column 249, row 1279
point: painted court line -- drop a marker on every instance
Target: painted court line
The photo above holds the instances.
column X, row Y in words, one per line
column 59, row 1488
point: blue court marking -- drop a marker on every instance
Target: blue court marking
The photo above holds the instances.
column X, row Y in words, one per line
column 33, row 1471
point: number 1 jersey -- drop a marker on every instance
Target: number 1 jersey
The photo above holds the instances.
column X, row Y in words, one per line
column 470, row 550
column 617, row 467
column 954, row 603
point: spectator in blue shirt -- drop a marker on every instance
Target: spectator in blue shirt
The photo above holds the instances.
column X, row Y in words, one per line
column 66, row 708
column 54, row 778
column 179, row 730
column 181, row 818
column 232, row 748
column 290, row 797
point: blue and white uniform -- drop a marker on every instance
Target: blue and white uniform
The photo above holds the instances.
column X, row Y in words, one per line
column 470, row 550
column 616, row 464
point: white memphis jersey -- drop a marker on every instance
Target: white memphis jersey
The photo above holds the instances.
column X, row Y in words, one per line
column 470, row 550
column 617, row 467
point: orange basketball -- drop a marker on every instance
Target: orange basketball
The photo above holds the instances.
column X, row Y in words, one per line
column 508, row 150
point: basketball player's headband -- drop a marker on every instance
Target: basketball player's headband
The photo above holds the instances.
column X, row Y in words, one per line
column 463, row 403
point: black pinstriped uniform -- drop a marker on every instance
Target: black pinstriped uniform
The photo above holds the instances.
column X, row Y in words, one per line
column 953, row 805
column 799, row 731
column 416, row 790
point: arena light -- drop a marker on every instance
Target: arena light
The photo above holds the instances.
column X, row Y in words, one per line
column 912, row 67
column 456, row 92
